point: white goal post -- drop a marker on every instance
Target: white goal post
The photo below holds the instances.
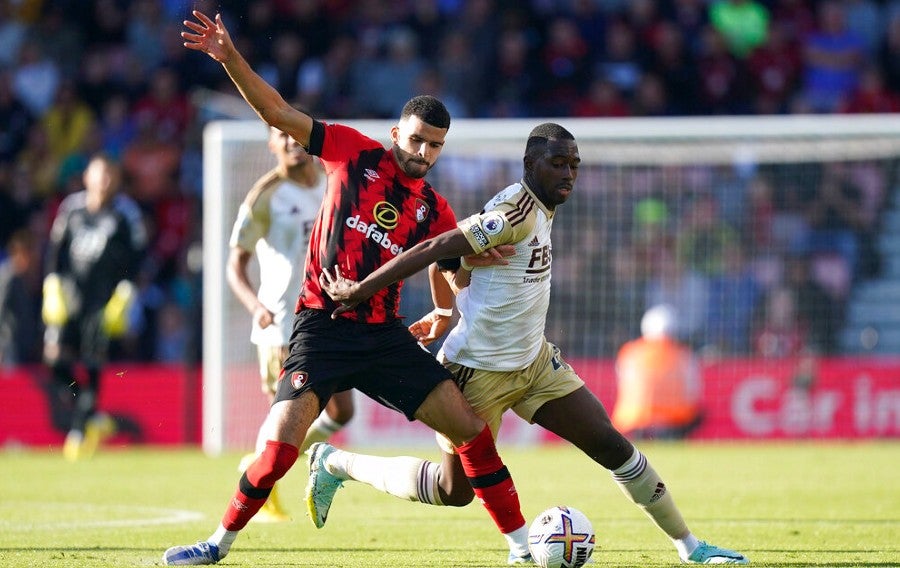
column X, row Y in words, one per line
column 624, row 162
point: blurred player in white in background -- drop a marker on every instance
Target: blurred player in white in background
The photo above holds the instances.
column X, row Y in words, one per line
column 659, row 383
column 274, row 222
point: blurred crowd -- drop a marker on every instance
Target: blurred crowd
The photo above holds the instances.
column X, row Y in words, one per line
column 758, row 261
column 79, row 77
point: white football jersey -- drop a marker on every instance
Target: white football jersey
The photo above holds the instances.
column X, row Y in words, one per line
column 504, row 308
column 275, row 221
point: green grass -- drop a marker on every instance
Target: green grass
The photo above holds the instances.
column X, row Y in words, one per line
column 791, row 504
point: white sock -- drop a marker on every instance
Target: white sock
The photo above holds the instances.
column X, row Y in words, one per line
column 223, row 539
column 409, row 478
column 685, row 546
column 640, row 482
column 518, row 541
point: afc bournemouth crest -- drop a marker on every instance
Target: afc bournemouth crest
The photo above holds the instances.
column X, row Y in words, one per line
column 299, row 378
column 421, row 210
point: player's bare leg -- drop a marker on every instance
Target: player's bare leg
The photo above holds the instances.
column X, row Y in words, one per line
column 595, row 435
column 338, row 412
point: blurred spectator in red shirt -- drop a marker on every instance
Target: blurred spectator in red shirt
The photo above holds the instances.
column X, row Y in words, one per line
column 150, row 164
column 165, row 105
column 564, row 65
column 774, row 69
column 780, row 331
column 602, row 99
column 722, row 76
column 871, row 96
column 796, row 17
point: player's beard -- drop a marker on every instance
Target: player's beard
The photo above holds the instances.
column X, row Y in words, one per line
column 411, row 164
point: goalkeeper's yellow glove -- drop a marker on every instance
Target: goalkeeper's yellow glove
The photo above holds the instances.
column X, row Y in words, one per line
column 54, row 310
column 116, row 310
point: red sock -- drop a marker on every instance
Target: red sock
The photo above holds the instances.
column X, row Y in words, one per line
column 256, row 483
column 491, row 481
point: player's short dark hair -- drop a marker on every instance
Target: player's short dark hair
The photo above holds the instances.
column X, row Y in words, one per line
column 541, row 133
column 429, row 109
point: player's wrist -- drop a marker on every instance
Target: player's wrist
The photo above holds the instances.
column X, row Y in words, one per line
column 443, row 312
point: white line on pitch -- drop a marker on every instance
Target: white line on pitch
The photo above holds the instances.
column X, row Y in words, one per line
column 152, row 516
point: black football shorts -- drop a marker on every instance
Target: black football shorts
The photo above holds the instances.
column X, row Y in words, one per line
column 383, row 361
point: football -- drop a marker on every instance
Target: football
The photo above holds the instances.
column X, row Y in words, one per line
column 561, row 537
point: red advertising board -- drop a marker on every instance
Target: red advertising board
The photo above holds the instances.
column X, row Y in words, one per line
column 758, row 399
column 155, row 404
column 846, row 398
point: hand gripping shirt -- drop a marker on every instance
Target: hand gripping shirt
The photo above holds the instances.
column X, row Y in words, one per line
column 275, row 221
column 504, row 308
column 372, row 212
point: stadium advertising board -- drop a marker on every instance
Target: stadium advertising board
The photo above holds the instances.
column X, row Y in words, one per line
column 836, row 398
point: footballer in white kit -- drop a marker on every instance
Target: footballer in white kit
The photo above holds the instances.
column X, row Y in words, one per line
column 497, row 351
column 275, row 221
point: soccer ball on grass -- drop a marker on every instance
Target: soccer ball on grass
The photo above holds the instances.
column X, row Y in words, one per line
column 561, row 537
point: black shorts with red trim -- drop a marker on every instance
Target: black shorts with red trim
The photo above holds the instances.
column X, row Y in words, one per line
column 383, row 361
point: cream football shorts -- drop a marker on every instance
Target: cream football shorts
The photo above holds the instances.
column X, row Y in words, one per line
column 271, row 357
column 491, row 393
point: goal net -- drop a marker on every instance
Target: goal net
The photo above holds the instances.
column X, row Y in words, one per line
column 772, row 237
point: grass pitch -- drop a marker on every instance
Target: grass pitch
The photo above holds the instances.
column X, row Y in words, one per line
column 783, row 505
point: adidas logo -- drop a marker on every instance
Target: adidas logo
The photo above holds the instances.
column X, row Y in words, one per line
column 371, row 175
column 534, row 242
column 660, row 491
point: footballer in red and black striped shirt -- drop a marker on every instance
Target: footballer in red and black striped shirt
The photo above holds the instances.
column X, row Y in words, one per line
column 377, row 205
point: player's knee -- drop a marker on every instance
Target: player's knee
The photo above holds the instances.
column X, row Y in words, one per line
column 466, row 427
column 610, row 449
column 341, row 412
column 272, row 464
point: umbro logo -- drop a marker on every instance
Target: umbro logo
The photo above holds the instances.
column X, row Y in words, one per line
column 371, row 175
column 534, row 242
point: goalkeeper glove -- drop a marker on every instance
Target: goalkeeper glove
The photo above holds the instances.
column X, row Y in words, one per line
column 54, row 310
column 116, row 310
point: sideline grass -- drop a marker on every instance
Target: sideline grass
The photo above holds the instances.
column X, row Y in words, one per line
column 784, row 505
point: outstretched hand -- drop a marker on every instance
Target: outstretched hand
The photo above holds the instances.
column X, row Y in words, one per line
column 211, row 38
column 491, row 257
column 429, row 328
column 340, row 289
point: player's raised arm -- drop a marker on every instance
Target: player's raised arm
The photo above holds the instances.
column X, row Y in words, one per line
column 212, row 38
